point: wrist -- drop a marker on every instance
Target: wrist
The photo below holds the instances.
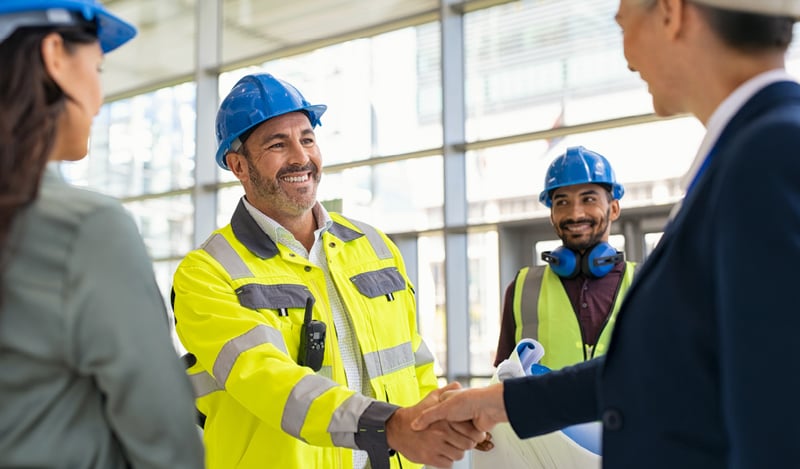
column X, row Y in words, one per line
column 372, row 433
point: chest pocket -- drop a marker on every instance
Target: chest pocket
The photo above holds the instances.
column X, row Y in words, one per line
column 285, row 299
column 384, row 282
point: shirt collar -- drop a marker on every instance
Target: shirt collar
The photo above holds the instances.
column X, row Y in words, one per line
column 725, row 112
column 277, row 232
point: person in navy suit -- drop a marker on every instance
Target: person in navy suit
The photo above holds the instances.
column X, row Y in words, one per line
column 702, row 370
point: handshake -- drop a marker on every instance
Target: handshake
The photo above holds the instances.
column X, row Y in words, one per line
column 446, row 423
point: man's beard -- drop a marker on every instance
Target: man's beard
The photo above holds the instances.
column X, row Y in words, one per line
column 270, row 190
column 581, row 245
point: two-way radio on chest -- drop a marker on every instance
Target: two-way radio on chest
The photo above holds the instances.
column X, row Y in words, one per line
column 312, row 340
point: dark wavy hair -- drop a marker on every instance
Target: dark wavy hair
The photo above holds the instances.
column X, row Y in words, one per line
column 30, row 106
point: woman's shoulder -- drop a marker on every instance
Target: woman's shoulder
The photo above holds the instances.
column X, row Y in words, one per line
column 69, row 204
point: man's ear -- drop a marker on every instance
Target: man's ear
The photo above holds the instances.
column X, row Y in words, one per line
column 54, row 56
column 672, row 16
column 613, row 210
column 237, row 164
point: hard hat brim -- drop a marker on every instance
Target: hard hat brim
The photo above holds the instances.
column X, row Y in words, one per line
column 112, row 31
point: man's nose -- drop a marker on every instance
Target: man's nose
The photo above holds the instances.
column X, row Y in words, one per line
column 576, row 211
column 298, row 154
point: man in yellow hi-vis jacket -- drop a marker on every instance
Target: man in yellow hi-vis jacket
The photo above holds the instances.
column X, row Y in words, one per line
column 302, row 323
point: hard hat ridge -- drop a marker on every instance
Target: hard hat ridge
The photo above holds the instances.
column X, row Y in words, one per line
column 579, row 166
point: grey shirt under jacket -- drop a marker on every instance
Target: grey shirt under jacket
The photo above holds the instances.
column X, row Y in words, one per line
column 88, row 374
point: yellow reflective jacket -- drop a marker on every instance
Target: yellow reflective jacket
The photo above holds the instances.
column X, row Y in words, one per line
column 239, row 305
column 542, row 311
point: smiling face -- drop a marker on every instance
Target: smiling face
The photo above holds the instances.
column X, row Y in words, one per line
column 280, row 167
column 582, row 215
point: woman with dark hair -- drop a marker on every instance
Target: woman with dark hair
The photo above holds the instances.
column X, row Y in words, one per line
column 88, row 375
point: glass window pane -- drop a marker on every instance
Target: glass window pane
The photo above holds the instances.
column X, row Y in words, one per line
column 165, row 271
column 166, row 224
column 651, row 241
column 503, row 183
column 396, row 197
column 381, row 93
column 431, row 289
column 227, row 200
column 537, row 65
column 141, row 145
column 484, row 300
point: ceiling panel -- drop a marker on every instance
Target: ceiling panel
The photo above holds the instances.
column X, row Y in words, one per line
column 259, row 27
column 164, row 49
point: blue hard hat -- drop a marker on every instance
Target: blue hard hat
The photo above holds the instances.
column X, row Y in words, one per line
column 253, row 100
column 579, row 166
column 112, row 31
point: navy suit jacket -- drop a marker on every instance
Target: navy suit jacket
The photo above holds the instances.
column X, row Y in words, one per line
column 703, row 369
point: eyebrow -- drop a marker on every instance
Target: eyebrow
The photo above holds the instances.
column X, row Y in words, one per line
column 282, row 136
column 582, row 193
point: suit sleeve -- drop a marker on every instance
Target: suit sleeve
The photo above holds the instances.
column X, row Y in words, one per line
column 755, row 260
column 545, row 403
column 120, row 336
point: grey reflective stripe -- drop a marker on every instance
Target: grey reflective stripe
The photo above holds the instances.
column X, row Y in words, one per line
column 299, row 402
column 221, row 250
column 529, row 302
column 203, row 384
column 344, row 423
column 383, row 362
column 423, row 355
column 256, row 336
column 379, row 282
column 375, row 239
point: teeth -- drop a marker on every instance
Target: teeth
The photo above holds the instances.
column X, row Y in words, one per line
column 296, row 178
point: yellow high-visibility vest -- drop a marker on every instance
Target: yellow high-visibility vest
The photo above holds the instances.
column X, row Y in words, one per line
column 542, row 311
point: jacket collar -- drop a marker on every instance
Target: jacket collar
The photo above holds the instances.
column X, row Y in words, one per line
column 344, row 233
column 256, row 241
column 251, row 235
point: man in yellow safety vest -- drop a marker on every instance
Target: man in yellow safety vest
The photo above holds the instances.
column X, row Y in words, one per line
column 301, row 324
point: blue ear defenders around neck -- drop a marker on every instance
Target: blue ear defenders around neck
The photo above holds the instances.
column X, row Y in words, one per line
column 595, row 263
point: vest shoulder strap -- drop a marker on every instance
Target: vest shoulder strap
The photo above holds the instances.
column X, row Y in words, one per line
column 529, row 301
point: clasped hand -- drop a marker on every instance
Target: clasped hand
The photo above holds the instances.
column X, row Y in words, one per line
column 483, row 408
column 435, row 441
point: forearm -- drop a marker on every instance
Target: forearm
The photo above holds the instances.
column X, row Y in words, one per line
column 541, row 404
